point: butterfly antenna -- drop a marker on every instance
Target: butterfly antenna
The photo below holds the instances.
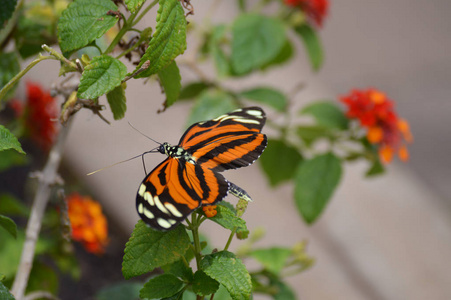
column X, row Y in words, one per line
column 142, row 155
column 143, row 133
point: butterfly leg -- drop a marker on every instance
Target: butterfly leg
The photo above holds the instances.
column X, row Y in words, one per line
column 238, row 192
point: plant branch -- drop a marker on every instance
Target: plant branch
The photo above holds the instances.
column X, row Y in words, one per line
column 49, row 175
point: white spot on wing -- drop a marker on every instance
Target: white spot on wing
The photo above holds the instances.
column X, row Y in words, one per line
column 160, row 205
column 255, row 113
column 142, row 189
column 148, row 214
column 248, row 121
column 148, row 197
column 163, row 223
column 172, row 221
column 173, row 209
column 140, row 208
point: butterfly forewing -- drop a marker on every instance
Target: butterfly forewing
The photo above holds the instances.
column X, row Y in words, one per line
column 230, row 141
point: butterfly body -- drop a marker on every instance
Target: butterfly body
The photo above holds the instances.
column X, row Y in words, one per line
column 190, row 175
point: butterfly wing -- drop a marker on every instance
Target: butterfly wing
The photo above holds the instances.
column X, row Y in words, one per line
column 174, row 189
column 230, row 141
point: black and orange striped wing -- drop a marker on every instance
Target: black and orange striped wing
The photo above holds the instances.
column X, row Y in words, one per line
column 230, row 141
column 174, row 189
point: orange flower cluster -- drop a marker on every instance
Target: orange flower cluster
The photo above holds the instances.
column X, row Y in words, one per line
column 376, row 112
column 89, row 225
column 315, row 9
column 210, row 210
column 39, row 114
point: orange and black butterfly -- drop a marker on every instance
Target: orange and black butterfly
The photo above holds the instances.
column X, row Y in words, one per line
column 189, row 177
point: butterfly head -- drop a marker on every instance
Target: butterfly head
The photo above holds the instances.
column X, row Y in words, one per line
column 162, row 148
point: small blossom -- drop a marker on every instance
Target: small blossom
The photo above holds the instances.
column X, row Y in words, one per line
column 314, row 9
column 375, row 111
column 89, row 225
column 210, row 210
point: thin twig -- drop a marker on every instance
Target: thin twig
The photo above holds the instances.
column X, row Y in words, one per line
column 49, row 175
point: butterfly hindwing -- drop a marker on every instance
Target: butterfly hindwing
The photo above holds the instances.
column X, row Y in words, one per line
column 174, row 189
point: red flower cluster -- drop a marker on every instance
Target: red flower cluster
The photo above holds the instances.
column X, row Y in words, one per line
column 39, row 114
column 315, row 9
column 42, row 110
column 89, row 225
column 376, row 112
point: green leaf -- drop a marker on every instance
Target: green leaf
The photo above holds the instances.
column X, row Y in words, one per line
column 161, row 286
column 312, row 44
column 4, row 293
column 101, row 76
column 269, row 96
column 284, row 55
column 42, row 277
column 11, row 158
column 279, row 161
column 229, row 271
column 222, row 62
column 273, row 259
column 228, row 219
column 9, row 205
column 169, row 39
column 256, row 40
column 9, row 225
column 179, row 269
column 7, row 11
column 120, row 291
column 203, row 284
column 9, row 67
column 170, row 80
column 377, row 168
column 30, row 34
column 83, row 21
column 117, row 101
column 148, row 249
column 210, row 104
column 284, row 292
column 327, row 114
column 310, row 134
column 315, row 181
column 193, row 89
column 133, row 5
column 177, row 296
column 8, row 140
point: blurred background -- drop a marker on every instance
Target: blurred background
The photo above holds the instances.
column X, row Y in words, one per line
column 382, row 238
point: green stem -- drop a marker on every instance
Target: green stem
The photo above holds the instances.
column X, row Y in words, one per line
column 138, row 43
column 229, row 241
column 196, row 241
column 144, row 12
column 59, row 56
column 129, row 23
column 19, row 75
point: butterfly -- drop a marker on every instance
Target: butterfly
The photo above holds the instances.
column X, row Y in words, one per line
column 190, row 177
